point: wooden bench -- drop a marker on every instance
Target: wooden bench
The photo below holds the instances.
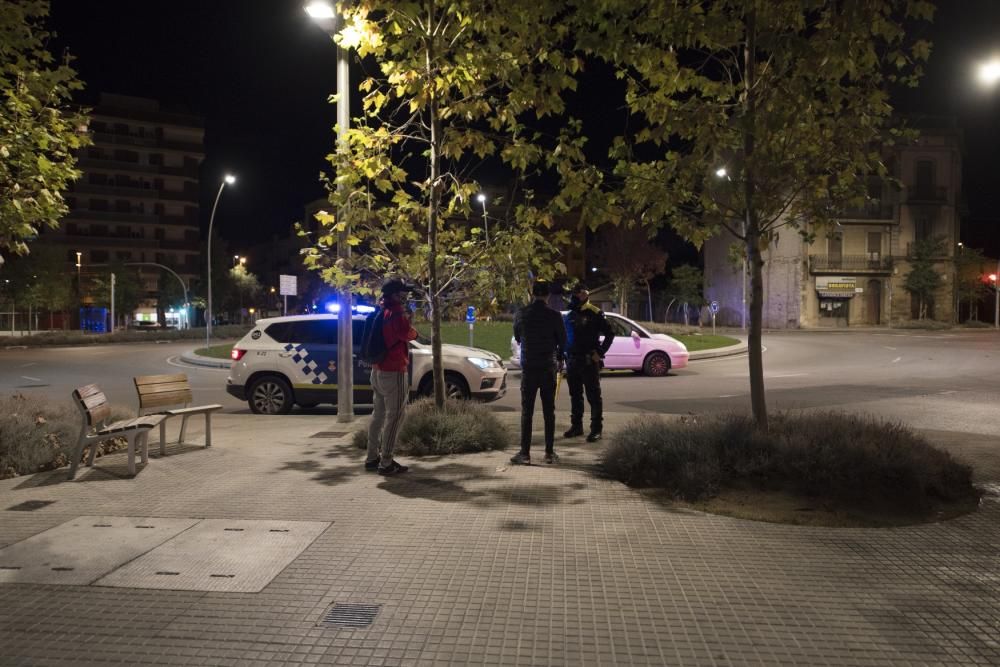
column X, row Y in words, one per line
column 157, row 392
column 94, row 409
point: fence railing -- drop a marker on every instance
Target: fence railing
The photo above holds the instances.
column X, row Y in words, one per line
column 874, row 262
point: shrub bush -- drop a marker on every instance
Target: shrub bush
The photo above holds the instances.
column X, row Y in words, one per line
column 846, row 458
column 460, row 428
column 37, row 435
column 976, row 324
column 921, row 324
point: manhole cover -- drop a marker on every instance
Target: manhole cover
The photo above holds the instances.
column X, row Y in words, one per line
column 30, row 505
column 329, row 434
column 350, row 615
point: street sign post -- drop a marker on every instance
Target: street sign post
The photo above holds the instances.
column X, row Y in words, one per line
column 287, row 286
column 470, row 317
column 713, row 308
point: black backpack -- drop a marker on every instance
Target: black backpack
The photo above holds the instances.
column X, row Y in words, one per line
column 373, row 348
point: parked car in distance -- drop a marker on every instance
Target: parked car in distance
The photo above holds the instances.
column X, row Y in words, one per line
column 634, row 348
column 286, row 361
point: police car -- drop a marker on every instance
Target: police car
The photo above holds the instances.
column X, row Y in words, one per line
column 286, row 361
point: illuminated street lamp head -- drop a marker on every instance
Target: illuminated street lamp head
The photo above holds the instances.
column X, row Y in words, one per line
column 993, row 277
column 989, row 72
column 721, row 172
column 243, row 260
column 481, row 198
column 320, row 10
column 230, row 179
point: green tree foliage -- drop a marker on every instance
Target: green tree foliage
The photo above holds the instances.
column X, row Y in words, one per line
column 128, row 289
column 39, row 127
column 41, row 282
column 457, row 82
column 970, row 278
column 789, row 96
column 924, row 278
column 243, row 288
column 686, row 287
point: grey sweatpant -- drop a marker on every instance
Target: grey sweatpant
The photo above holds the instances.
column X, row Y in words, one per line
column 391, row 392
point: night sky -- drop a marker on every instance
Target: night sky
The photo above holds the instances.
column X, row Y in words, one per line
column 260, row 72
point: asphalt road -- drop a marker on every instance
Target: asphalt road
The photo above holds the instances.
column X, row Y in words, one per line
column 936, row 380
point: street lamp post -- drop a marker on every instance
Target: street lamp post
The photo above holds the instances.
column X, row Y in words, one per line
column 229, row 179
column 324, row 14
column 481, row 198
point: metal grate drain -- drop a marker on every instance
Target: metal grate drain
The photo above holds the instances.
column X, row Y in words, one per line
column 350, row 615
column 30, row 505
column 329, row 434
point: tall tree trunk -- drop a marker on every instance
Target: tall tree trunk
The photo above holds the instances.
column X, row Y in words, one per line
column 758, row 404
column 432, row 215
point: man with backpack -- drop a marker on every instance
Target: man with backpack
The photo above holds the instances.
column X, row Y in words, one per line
column 386, row 346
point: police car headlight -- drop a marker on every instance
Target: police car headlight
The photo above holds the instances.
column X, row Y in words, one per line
column 481, row 363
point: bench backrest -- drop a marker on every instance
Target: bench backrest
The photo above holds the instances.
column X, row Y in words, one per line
column 93, row 404
column 161, row 391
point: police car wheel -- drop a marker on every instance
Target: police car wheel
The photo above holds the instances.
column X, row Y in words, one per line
column 455, row 387
column 270, row 395
column 657, row 364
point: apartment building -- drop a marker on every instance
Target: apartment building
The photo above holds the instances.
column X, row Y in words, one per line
column 138, row 198
column 854, row 273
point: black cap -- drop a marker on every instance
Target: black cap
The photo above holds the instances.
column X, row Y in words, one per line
column 540, row 288
column 395, row 286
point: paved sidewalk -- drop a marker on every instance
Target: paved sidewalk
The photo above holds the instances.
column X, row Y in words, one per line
column 475, row 562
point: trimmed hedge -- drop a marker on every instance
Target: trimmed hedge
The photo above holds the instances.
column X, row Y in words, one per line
column 846, row 458
column 460, row 428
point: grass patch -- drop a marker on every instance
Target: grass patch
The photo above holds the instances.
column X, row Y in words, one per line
column 462, row 427
column 216, row 351
column 36, row 435
column 843, row 464
column 80, row 338
column 492, row 336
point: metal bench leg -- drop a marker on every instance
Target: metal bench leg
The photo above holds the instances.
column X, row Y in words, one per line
column 163, row 438
column 144, row 438
column 77, row 454
column 93, row 452
column 208, row 429
column 184, row 425
column 131, row 452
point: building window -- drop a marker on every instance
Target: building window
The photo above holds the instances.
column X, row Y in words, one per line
column 874, row 246
column 925, row 174
column 159, row 234
column 98, row 256
column 98, row 230
column 123, row 231
column 123, row 256
column 122, row 206
column 71, row 229
column 923, row 225
column 98, row 204
column 835, row 249
column 155, row 159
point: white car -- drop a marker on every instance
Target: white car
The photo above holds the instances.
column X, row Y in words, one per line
column 286, row 361
column 634, row 348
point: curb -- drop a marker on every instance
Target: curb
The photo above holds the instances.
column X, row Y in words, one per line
column 719, row 352
column 206, row 362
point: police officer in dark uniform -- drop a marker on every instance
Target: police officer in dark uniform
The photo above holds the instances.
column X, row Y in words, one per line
column 585, row 324
column 540, row 332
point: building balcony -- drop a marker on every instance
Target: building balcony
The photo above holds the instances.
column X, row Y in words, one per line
column 933, row 195
column 881, row 213
column 135, row 192
column 86, row 215
column 180, row 244
column 120, row 166
column 116, row 139
column 941, row 255
column 871, row 263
